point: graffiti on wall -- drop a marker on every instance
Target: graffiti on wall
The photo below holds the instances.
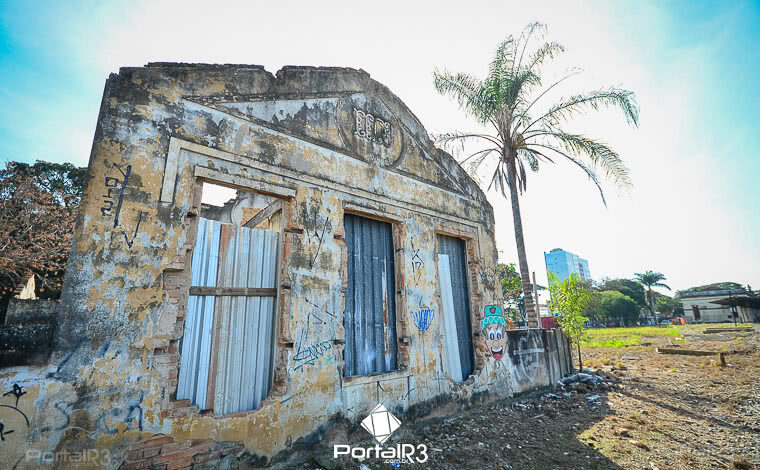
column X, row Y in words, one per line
column 315, row 352
column 311, row 354
column 489, row 276
column 422, row 317
column 315, row 226
column 494, row 328
column 107, row 422
column 130, row 414
column 417, row 263
column 17, row 391
column 527, row 358
column 115, row 187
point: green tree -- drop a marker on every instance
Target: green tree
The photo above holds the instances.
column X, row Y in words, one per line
column 511, row 287
column 632, row 289
column 669, row 305
column 520, row 135
column 618, row 307
column 570, row 298
column 63, row 181
column 651, row 279
column 594, row 307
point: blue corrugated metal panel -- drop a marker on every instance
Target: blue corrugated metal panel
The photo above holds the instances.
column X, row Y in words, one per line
column 454, row 249
column 196, row 341
column 370, row 317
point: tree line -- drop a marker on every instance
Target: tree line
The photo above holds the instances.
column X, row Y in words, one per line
column 38, row 208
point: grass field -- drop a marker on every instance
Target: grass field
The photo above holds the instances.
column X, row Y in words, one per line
column 621, row 337
column 634, row 336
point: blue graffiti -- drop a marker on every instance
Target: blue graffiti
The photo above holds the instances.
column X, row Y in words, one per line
column 423, row 317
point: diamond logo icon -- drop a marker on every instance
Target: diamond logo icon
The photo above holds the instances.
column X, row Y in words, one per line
column 380, row 423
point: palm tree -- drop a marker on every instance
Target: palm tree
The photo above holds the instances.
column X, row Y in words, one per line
column 651, row 279
column 503, row 102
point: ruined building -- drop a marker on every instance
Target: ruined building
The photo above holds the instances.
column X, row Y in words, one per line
column 259, row 260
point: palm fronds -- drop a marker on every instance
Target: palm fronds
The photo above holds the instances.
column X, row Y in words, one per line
column 503, row 100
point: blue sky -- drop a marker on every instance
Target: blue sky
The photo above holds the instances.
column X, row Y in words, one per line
column 693, row 213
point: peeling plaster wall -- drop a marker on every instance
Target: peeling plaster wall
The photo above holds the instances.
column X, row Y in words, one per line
column 164, row 128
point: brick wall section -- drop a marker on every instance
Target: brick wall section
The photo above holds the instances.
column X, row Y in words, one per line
column 163, row 453
column 177, row 279
column 402, row 318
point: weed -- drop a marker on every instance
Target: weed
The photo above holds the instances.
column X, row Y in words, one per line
column 620, row 365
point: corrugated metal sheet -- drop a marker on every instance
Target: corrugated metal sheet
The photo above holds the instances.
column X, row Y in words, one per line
column 246, row 324
column 232, row 339
column 370, row 317
column 453, row 364
column 454, row 249
column 196, row 342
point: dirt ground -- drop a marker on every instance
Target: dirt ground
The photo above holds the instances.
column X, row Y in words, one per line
column 666, row 412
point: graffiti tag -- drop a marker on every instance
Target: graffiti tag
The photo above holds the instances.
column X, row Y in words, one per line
column 17, row 391
column 416, row 261
column 422, row 317
column 315, row 227
column 311, row 354
column 115, row 187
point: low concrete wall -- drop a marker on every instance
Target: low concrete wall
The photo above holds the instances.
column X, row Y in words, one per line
column 26, row 337
column 30, row 310
column 537, row 358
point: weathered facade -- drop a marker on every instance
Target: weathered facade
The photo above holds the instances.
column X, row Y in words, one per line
column 355, row 267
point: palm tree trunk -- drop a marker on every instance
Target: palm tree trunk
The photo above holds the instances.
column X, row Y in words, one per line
column 651, row 304
column 530, row 308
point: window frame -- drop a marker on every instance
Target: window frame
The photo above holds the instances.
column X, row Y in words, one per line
column 285, row 196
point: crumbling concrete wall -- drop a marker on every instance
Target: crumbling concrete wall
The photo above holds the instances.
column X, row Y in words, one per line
column 328, row 142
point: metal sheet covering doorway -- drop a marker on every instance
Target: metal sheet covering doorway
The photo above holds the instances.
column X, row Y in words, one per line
column 228, row 343
column 370, row 318
column 455, row 299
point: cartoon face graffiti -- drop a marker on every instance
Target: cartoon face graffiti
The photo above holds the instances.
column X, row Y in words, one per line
column 494, row 330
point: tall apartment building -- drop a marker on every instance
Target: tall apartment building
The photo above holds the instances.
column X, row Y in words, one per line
column 562, row 263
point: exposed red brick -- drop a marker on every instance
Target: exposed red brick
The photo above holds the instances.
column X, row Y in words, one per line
column 151, row 451
column 157, row 441
column 174, row 447
column 180, row 464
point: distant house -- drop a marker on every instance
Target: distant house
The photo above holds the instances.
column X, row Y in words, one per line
column 714, row 306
